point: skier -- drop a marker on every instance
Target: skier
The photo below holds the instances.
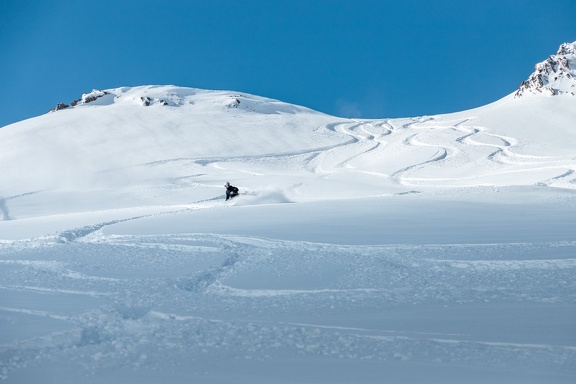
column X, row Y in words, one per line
column 231, row 190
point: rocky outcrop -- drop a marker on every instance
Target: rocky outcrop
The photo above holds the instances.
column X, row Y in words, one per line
column 234, row 103
column 554, row 76
column 59, row 106
column 148, row 101
column 85, row 99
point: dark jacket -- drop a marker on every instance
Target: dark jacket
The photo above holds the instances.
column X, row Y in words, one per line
column 231, row 191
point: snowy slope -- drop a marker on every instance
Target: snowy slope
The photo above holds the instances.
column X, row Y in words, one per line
column 429, row 249
column 121, row 132
column 118, row 151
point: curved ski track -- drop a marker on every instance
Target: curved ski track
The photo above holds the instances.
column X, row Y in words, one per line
column 422, row 152
column 236, row 296
column 163, row 302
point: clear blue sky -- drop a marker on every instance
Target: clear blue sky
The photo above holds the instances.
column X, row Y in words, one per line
column 356, row 58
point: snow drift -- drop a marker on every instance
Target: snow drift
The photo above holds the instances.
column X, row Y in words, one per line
column 426, row 249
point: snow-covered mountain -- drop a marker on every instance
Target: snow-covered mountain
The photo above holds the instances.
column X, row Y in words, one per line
column 554, row 76
column 423, row 249
column 188, row 142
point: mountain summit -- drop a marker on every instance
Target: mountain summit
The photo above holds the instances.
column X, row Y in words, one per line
column 163, row 145
column 430, row 249
column 554, row 76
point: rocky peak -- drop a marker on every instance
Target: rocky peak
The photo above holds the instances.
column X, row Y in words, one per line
column 85, row 99
column 554, row 76
column 567, row 49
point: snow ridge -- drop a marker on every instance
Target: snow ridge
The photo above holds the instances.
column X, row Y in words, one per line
column 432, row 249
column 554, row 76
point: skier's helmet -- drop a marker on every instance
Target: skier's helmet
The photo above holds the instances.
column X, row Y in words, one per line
column 227, row 183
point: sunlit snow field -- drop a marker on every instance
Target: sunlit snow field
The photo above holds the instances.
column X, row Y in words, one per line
column 421, row 250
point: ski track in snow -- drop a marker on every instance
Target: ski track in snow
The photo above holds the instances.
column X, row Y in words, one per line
column 411, row 152
column 165, row 300
column 448, row 154
column 161, row 302
column 415, row 153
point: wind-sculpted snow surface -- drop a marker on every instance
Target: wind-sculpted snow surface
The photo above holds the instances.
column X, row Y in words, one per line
column 213, row 308
column 432, row 249
column 197, row 141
